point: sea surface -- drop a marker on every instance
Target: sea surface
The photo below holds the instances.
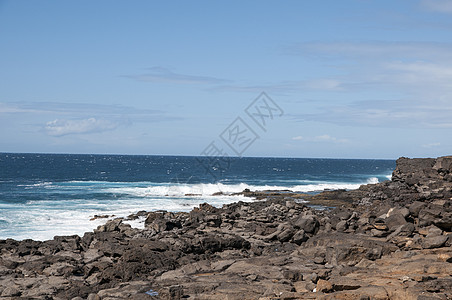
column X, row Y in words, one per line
column 43, row 195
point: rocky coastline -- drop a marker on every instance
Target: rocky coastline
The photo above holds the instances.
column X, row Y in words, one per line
column 390, row 240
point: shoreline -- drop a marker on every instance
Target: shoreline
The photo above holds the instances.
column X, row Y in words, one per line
column 66, row 192
column 390, row 240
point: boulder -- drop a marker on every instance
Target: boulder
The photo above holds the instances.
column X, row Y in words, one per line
column 394, row 221
column 307, row 223
column 342, row 226
column 299, row 237
column 429, row 215
column 286, row 234
column 443, row 164
column 434, row 242
column 10, row 291
column 416, row 207
column 110, row 226
column 324, row 286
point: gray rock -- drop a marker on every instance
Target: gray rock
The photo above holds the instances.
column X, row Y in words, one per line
column 110, row 226
column 293, row 275
column 394, row 221
column 429, row 215
column 299, row 237
column 174, row 292
column 11, row 291
column 286, row 234
column 416, row 207
column 342, row 226
column 308, row 223
column 405, row 212
column 93, row 297
column 344, row 215
column 374, row 253
column 313, row 277
column 407, row 229
column 445, row 222
column 250, row 249
column 434, row 231
column 379, row 233
column 434, row 242
column 319, row 260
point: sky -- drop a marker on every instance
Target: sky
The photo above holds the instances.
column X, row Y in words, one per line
column 326, row 79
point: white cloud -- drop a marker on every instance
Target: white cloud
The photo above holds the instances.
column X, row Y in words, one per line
column 60, row 127
column 431, row 145
column 13, row 108
column 283, row 87
column 408, row 67
column 160, row 74
column 322, row 84
column 390, row 84
column 324, row 137
column 72, row 108
column 375, row 49
column 442, row 6
column 388, row 114
column 320, row 138
column 420, row 74
column 328, row 138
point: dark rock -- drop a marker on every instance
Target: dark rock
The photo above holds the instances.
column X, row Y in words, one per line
column 407, row 229
column 344, row 215
column 416, row 207
column 286, row 234
column 299, row 237
column 313, row 277
column 445, row 221
column 293, row 275
column 174, row 292
column 410, row 170
column 319, row 260
column 342, row 226
column 11, row 292
column 110, row 226
column 429, row 215
column 95, row 217
column 307, row 223
column 258, row 249
column 394, row 221
column 434, row 242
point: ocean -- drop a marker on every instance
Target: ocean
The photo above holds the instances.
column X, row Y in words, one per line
column 43, row 195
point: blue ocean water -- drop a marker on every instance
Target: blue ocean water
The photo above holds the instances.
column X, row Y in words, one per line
column 43, row 195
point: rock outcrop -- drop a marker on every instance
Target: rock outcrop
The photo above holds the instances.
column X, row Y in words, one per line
column 391, row 240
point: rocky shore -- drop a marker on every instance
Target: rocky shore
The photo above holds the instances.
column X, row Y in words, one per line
column 391, row 240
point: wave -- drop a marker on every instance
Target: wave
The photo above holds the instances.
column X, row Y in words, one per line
column 372, row 180
column 209, row 189
column 39, row 184
column 152, row 189
column 41, row 220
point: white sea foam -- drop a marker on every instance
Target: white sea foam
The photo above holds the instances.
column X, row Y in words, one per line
column 39, row 184
column 43, row 219
column 193, row 190
column 372, row 180
column 138, row 223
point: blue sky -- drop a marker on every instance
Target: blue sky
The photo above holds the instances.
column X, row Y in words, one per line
column 355, row 79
